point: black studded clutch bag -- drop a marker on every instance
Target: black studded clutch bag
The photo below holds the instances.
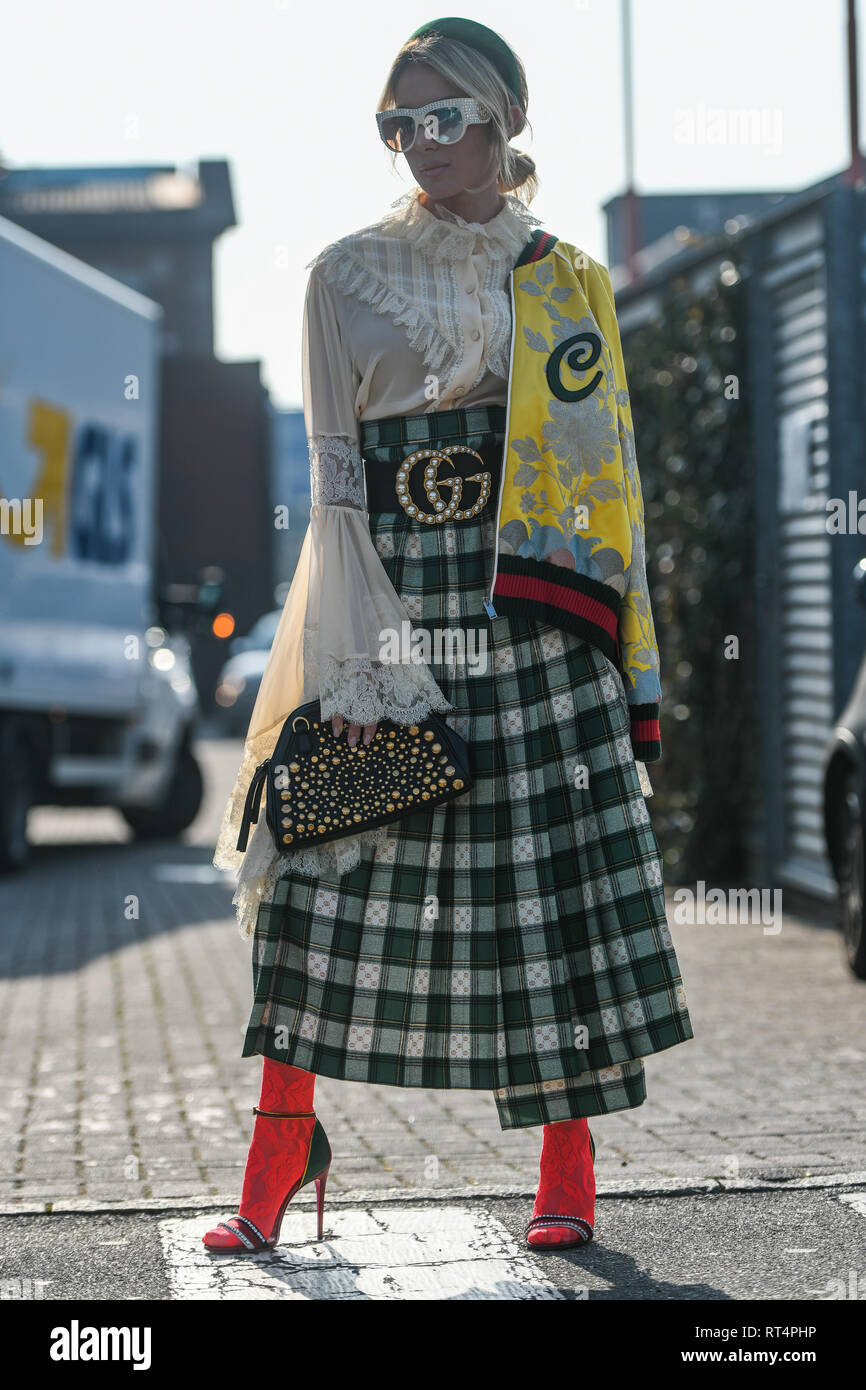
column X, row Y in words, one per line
column 320, row 789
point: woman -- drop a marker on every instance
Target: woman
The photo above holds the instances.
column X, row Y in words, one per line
column 513, row 939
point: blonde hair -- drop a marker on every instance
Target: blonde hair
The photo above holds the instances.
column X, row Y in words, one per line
column 473, row 73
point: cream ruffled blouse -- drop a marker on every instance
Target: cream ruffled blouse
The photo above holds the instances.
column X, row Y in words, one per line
column 409, row 315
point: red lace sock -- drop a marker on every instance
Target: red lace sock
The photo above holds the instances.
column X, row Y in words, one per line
column 567, row 1183
column 278, row 1151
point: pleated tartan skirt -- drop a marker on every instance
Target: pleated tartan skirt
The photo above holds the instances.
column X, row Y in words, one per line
column 514, row 939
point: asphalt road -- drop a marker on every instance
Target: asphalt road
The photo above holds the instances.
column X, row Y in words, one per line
column 802, row 1245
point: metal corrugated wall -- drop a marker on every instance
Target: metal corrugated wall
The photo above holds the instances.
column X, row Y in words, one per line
column 794, row 280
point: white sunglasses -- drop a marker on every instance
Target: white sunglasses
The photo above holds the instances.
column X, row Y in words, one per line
column 444, row 121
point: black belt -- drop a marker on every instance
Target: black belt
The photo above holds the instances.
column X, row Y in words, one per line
column 403, row 486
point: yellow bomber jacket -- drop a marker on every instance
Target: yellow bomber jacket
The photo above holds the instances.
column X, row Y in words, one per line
column 570, row 520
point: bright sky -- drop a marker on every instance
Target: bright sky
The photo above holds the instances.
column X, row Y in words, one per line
column 285, row 90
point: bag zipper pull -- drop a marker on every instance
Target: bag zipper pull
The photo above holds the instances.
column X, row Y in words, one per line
column 489, row 609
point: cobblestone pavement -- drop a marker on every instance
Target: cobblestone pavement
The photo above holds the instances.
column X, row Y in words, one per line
column 125, row 992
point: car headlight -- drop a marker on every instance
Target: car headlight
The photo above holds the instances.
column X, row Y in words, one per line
column 163, row 658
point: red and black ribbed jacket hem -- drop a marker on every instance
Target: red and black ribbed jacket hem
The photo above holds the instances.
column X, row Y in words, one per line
column 548, row 593
column 646, row 740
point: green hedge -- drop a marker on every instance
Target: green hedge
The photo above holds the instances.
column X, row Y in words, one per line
column 687, row 377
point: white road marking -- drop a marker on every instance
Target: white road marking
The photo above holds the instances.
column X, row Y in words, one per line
column 857, row 1200
column 382, row 1253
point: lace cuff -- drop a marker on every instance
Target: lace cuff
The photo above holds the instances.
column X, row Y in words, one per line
column 364, row 690
column 336, row 471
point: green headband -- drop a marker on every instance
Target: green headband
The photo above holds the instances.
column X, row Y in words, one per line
column 479, row 37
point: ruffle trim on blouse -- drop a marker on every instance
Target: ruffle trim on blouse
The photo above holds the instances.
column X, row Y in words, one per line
column 353, row 265
column 345, row 269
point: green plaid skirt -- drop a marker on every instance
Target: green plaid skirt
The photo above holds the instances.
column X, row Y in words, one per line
column 515, row 938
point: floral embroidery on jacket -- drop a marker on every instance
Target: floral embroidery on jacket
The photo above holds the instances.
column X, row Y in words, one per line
column 572, row 496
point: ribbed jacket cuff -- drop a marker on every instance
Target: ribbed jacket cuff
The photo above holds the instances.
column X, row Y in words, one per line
column 646, row 740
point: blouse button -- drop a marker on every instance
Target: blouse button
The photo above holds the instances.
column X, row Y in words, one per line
column 476, row 333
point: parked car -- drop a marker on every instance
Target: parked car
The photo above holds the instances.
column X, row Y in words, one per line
column 239, row 680
column 845, row 807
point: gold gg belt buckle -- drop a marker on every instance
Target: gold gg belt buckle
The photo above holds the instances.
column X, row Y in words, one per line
column 445, row 511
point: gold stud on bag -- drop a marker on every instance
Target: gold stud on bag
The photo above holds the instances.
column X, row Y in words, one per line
column 321, row 789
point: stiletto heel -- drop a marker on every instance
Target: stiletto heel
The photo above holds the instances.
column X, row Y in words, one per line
column 318, row 1163
column 320, row 1199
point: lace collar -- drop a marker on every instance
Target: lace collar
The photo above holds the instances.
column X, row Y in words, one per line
column 445, row 236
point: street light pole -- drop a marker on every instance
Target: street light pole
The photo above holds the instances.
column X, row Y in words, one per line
column 854, row 174
column 631, row 202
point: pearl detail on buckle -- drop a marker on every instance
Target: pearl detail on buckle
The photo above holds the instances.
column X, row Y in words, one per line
column 444, row 511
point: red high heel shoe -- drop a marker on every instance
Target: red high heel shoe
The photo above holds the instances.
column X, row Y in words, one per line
column 281, row 1160
column 567, row 1182
column 316, row 1170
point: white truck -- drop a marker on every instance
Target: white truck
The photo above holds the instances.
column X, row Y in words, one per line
column 97, row 699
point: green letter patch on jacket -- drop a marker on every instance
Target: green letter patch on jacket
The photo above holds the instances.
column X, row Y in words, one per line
column 570, row 521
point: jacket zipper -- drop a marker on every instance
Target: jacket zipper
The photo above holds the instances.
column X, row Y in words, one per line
column 488, row 602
